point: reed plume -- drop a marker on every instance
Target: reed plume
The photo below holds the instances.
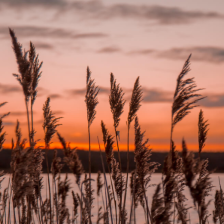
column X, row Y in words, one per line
column 184, row 92
column 50, row 123
column 28, row 77
column 202, row 131
column 24, row 77
column 116, row 100
column 105, row 132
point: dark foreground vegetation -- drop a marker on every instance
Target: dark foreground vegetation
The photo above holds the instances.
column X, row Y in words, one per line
column 22, row 200
column 216, row 160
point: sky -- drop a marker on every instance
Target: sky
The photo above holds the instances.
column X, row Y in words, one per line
column 129, row 38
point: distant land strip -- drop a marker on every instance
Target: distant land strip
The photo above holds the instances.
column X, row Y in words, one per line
column 216, row 160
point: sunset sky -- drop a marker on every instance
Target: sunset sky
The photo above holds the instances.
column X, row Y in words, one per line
column 130, row 38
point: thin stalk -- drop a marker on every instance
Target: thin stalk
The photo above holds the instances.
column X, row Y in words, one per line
column 28, row 210
column 32, row 132
column 14, row 212
column 89, row 174
column 171, row 137
column 49, row 187
column 4, row 213
column 28, row 120
column 119, row 157
column 103, row 201
column 133, row 196
column 147, row 209
column 18, row 211
column 41, row 205
column 125, row 193
column 174, row 211
column 115, row 204
column 38, row 212
column 9, row 203
column 56, row 200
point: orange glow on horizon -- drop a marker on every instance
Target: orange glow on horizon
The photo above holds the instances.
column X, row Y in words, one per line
column 123, row 147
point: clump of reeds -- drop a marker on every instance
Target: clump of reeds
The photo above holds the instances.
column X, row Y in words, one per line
column 168, row 203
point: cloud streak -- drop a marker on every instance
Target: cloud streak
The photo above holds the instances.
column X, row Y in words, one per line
column 9, row 123
column 47, row 32
column 55, row 96
column 19, row 113
column 39, row 45
column 109, row 50
column 213, row 100
column 82, row 92
column 209, row 54
column 8, row 89
column 157, row 96
column 97, row 10
column 201, row 53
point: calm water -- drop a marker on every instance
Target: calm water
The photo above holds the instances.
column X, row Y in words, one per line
column 156, row 178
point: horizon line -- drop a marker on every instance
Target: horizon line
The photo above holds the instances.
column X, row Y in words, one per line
column 123, row 147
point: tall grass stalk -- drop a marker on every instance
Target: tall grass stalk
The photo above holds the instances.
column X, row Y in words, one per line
column 134, row 105
column 91, row 102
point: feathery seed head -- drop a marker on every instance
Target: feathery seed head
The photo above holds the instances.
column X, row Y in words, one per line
column 185, row 91
column 202, row 131
column 50, row 122
column 105, row 132
column 29, row 69
column 109, row 149
column 91, row 97
column 136, row 98
column 116, row 100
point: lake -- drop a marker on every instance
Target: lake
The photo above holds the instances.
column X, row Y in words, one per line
column 156, row 178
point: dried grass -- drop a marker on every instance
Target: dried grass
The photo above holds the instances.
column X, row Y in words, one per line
column 168, row 203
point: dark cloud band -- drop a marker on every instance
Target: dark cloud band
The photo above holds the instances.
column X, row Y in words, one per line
column 97, row 10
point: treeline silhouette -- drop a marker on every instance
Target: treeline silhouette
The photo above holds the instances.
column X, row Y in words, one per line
column 216, row 160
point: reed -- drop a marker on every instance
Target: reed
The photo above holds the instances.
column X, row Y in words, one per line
column 22, row 200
